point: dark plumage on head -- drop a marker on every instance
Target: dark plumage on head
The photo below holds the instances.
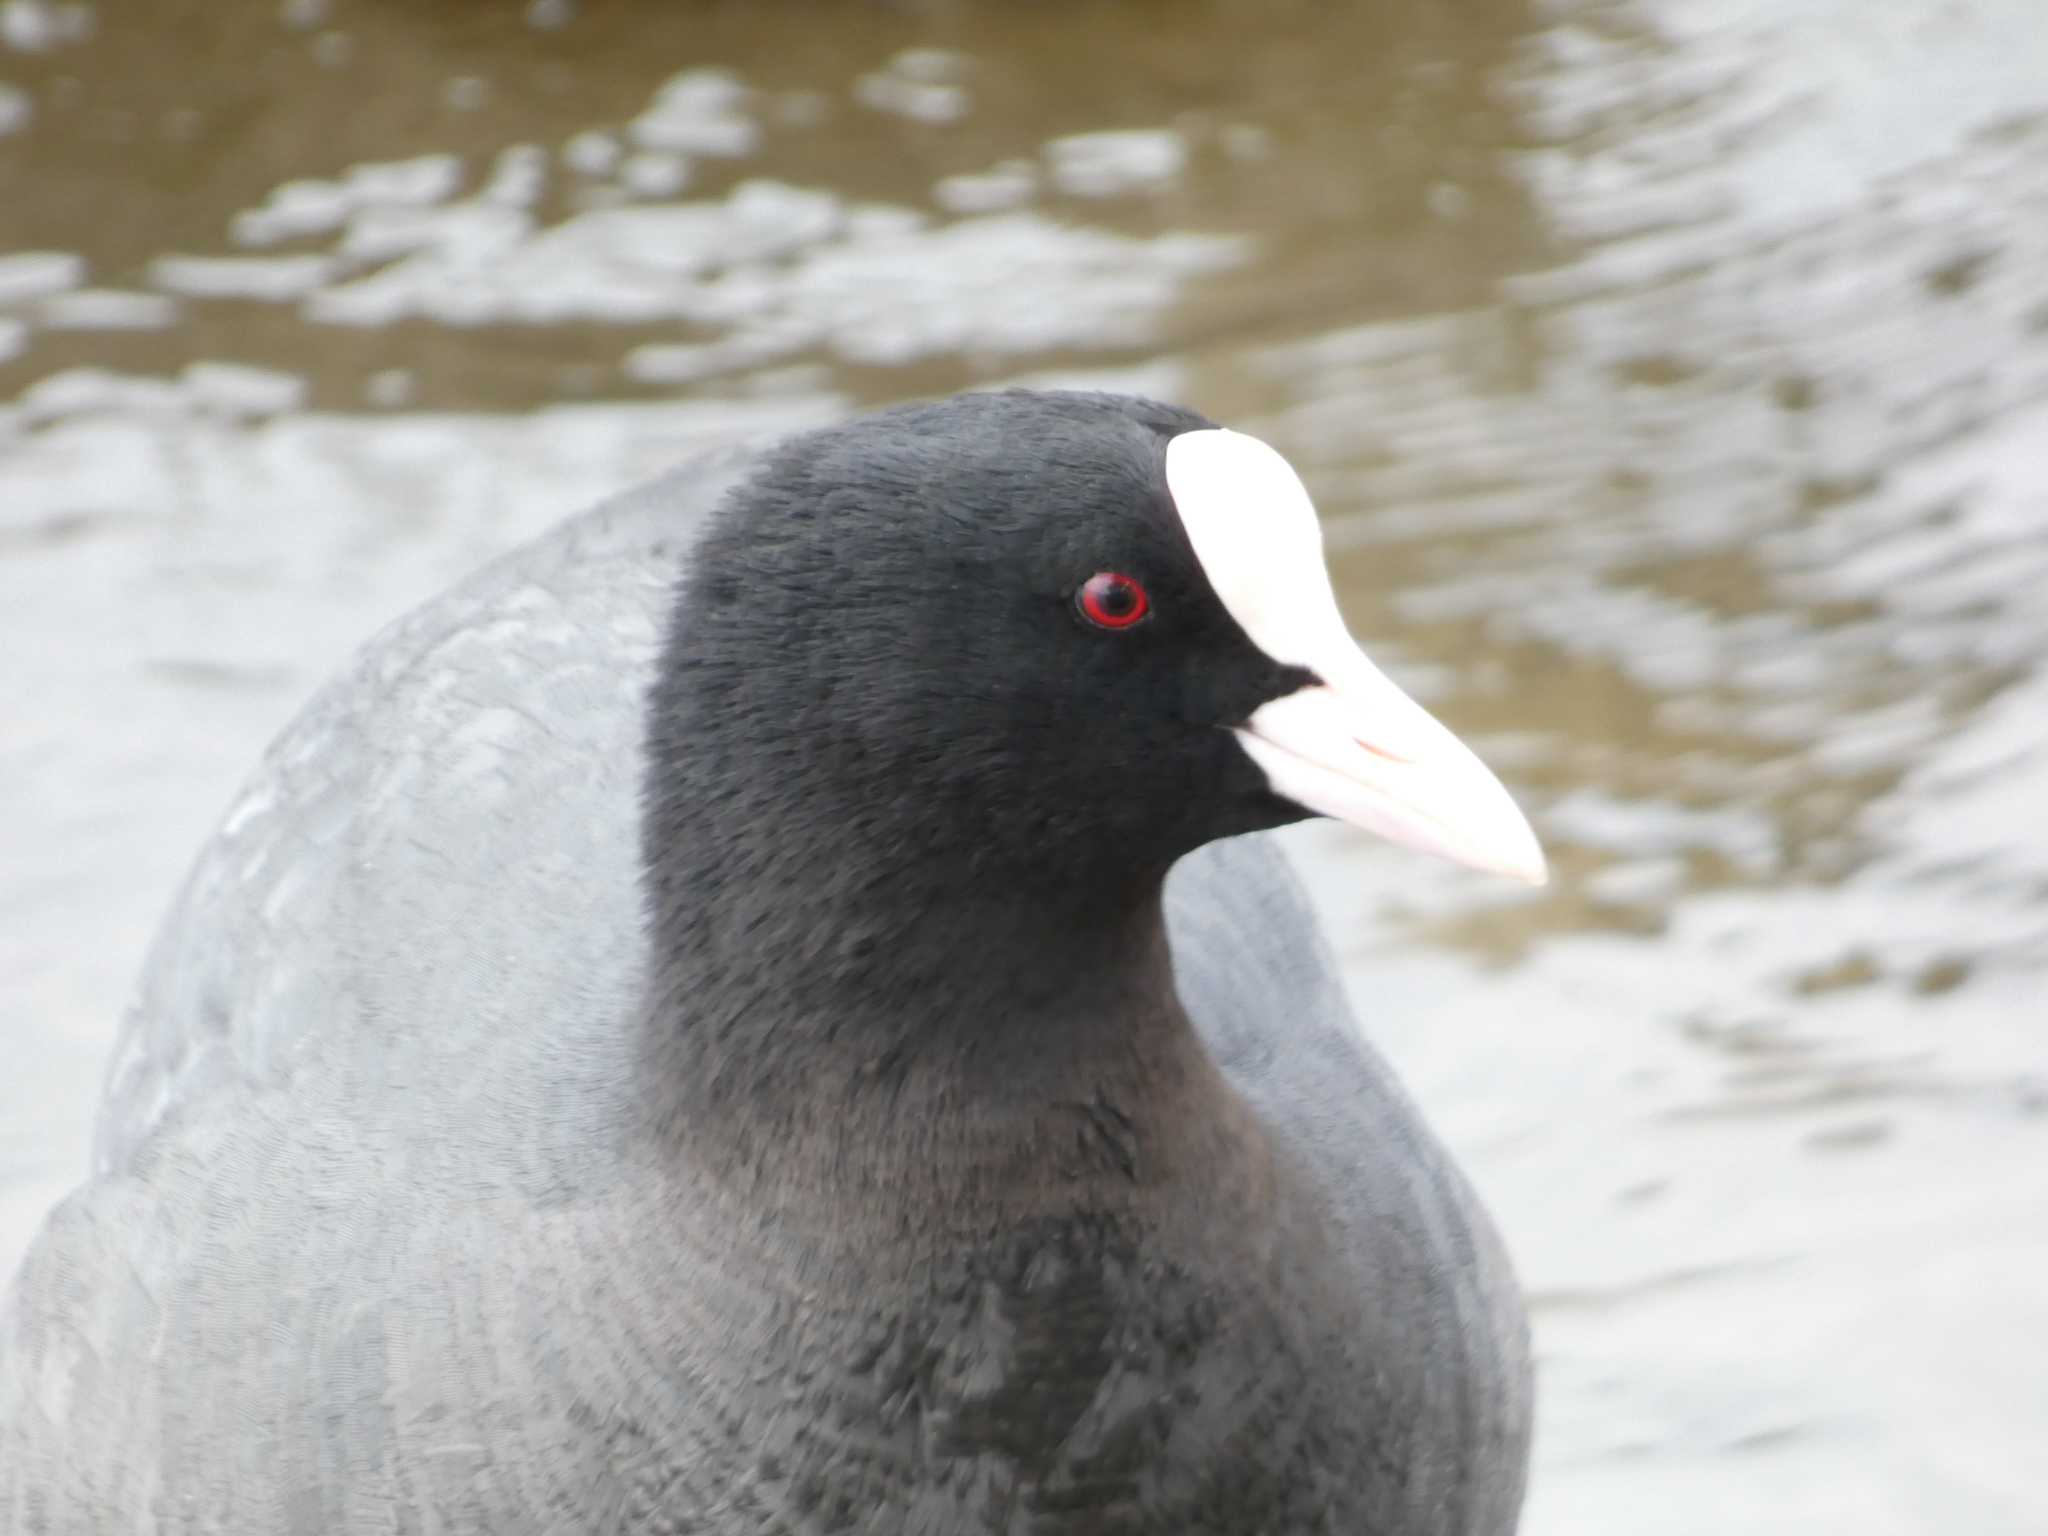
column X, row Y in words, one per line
column 878, row 644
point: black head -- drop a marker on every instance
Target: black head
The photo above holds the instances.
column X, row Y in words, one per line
column 977, row 631
column 1029, row 642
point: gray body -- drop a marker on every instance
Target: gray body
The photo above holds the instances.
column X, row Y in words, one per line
column 366, row 1251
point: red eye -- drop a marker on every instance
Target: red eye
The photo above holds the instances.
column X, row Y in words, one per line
column 1111, row 600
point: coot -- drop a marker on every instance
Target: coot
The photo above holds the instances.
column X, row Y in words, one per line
column 694, row 1033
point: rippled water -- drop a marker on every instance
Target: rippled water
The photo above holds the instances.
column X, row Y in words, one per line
column 1674, row 379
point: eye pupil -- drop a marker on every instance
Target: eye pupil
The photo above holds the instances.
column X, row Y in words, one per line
column 1112, row 600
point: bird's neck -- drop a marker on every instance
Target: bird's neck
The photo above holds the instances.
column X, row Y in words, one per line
column 836, row 1020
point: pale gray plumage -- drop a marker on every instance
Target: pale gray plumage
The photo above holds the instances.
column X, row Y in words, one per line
column 364, row 1250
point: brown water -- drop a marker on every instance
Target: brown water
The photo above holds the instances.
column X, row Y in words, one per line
column 1674, row 379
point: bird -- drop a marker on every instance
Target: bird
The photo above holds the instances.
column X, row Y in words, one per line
column 769, row 1009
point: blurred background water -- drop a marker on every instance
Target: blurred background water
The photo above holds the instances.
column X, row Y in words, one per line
column 1672, row 374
